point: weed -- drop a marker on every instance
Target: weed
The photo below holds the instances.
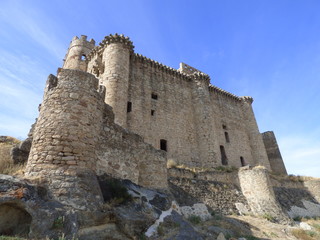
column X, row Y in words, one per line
column 225, row 169
column 58, row 223
column 114, row 191
column 297, row 219
column 194, row 219
column 160, row 230
column 269, row 217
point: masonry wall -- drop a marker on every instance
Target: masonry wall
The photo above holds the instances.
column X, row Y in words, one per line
column 172, row 117
column 123, row 154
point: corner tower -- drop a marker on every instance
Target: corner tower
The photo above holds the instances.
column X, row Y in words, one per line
column 116, row 59
column 77, row 53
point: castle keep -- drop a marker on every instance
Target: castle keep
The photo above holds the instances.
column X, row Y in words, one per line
column 176, row 110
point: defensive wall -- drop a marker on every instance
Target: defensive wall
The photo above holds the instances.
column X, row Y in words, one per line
column 250, row 191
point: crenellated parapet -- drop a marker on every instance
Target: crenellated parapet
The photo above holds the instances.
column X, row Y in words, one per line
column 247, row 99
column 78, row 51
column 112, row 38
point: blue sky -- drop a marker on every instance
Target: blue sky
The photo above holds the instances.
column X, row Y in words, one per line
column 267, row 49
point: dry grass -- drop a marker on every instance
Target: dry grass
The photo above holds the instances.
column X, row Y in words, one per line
column 6, row 165
column 313, row 234
column 293, row 178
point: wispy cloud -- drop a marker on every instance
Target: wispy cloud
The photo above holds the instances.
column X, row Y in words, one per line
column 301, row 154
column 33, row 23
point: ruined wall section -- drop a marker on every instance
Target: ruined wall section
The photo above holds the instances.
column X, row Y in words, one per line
column 256, row 187
column 273, row 152
column 162, row 108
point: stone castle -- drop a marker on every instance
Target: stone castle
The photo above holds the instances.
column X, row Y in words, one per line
column 110, row 110
column 112, row 113
column 178, row 111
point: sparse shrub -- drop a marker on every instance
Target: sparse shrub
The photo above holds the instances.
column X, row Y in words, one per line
column 269, row 217
column 58, row 223
column 114, row 192
column 160, row 230
column 225, row 169
column 6, row 164
column 301, row 234
column 194, row 219
column 297, row 219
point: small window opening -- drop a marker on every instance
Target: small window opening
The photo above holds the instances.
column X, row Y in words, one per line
column 224, row 126
column 163, row 145
column 83, row 57
column 226, row 134
column 224, row 159
column 129, row 106
column 154, row 96
column 152, row 112
column 243, row 162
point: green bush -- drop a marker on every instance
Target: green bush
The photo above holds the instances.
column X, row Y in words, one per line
column 194, row 219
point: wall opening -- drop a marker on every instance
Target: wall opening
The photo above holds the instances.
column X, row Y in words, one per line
column 226, row 135
column 224, row 126
column 152, row 112
column 224, row 159
column 129, row 106
column 154, row 96
column 163, row 145
column 14, row 221
column 83, row 57
column 243, row 162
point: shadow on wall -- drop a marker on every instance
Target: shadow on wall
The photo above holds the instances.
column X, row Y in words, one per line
column 299, row 197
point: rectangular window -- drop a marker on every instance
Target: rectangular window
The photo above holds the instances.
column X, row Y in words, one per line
column 154, row 96
column 129, row 106
column 226, row 134
column 152, row 112
column 163, row 145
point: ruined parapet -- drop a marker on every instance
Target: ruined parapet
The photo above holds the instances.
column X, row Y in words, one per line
column 77, row 53
column 273, row 152
column 258, row 150
column 116, row 57
column 256, row 187
column 65, row 139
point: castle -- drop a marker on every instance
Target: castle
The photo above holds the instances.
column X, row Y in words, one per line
column 178, row 111
column 112, row 113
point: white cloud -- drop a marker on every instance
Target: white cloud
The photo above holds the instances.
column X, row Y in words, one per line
column 34, row 24
column 301, row 155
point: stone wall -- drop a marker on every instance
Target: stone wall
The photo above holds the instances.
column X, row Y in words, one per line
column 77, row 53
column 273, row 152
column 123, row 154
column 218, row 190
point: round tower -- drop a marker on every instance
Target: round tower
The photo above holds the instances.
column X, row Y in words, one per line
column 65, row 139
column 116, row 57
column 78, row 50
